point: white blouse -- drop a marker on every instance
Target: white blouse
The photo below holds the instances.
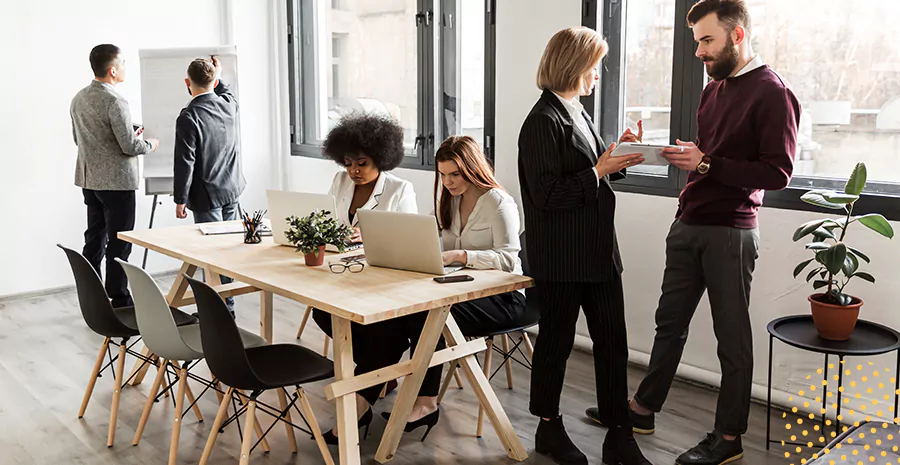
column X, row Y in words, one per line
column 491, row 236
column 390, row 194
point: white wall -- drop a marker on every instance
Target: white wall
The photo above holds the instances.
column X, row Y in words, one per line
column 45, row 46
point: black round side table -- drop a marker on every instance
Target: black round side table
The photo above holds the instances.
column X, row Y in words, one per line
column 868, row 339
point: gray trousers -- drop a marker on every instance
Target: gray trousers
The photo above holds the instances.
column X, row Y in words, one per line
column 224, row 213
column 719, row 260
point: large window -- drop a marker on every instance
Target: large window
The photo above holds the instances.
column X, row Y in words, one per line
column 840, row 61
column 423, row 62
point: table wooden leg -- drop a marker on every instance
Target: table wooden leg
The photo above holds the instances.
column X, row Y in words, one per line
column 486, row 395
column 421, row 359
column 266, row 304
column 212, row 278
column 348, row 434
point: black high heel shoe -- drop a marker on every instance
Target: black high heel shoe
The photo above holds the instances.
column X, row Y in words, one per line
column 365, row 420
column 428, row 420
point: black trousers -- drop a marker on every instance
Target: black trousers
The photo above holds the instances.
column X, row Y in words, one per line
column 719, row 260
column 374, row 346
column 108, row 213
column 487, row 315
column 604, row 310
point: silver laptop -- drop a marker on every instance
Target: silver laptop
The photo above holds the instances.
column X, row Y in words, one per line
column 403, row 241
column 283, row 204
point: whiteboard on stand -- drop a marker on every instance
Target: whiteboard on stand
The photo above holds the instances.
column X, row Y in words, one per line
column 164, row 94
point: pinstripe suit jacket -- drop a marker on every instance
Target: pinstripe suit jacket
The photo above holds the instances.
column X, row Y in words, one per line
column 569, row 215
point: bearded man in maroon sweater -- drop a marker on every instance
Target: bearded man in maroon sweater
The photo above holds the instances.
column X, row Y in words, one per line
column 746, row 141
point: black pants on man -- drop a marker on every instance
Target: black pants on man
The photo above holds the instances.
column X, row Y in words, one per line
column 604, row 310
column 108, row 213
column 719, row 260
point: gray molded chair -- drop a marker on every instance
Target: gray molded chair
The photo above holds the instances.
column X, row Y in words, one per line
column 170, row 343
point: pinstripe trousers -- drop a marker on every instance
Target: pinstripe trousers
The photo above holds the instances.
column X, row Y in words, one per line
column 604, row 309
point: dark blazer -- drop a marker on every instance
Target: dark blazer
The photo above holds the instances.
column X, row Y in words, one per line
column 569, row 216
column 208, row 171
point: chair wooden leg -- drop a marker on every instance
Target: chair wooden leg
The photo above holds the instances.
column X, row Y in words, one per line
column 327, row 345
column 456, row 376
column 304, row 321
column 256, row 425
column 151, row 399
column 447, row 379
column 314, row 426
column 218, row 386
column 190, row 398
column 94, row 373
column 507, row 362
column 488, row 355
column 179, row 409
column 528, row 346
column 217, row 423
column 248, row 433
column 282, row 400
column 117, row 393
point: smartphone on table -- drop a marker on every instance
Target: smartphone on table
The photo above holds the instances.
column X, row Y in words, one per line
column 454, row 278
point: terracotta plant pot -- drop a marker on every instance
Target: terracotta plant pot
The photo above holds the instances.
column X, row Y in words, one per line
column 834, row 322
column 313, row 259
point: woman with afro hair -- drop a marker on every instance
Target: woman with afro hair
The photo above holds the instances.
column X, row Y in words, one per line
column 367, row 145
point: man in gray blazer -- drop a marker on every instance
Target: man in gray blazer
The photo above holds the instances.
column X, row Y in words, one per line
column 107, row 167
column 208, row 176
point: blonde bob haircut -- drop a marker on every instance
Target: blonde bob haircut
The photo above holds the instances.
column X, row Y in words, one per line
column 569, row 55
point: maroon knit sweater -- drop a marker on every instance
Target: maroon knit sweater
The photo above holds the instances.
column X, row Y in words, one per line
column 747, row 125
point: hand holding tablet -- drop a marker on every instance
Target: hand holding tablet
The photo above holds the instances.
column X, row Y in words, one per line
column 652, row 154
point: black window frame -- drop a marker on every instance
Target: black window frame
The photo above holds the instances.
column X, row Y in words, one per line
column 434, row 19
column 688, row 81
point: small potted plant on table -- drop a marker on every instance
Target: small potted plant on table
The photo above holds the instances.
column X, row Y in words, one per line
column 310, row 234
column 836, row 263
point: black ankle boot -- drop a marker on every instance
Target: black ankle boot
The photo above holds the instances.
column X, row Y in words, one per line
column 620, row 448
column 551, row 439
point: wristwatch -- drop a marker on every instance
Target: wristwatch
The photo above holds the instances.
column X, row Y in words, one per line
column 703, row 166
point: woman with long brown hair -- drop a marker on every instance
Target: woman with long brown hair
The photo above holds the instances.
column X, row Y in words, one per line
column 479, row 224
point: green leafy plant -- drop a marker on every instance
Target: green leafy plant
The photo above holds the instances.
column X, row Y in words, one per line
column 836, row 262
column 317, row 229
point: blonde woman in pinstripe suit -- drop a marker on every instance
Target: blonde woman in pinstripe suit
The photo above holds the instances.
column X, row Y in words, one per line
column 569, row 218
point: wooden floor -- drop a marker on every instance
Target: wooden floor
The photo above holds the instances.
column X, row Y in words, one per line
column 46, row 355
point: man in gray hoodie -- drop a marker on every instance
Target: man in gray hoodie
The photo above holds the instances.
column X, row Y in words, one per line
column 107, row 167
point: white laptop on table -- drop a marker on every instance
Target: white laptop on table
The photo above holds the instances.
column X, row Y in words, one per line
column 284, row 204
column 404, row 241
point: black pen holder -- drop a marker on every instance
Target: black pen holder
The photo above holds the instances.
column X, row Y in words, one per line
column 251, row 234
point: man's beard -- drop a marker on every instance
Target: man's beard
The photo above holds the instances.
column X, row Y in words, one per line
column 724, row 64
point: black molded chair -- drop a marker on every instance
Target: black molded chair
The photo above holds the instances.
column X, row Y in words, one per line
column 527, row 320
column 109, row 322
column 256, row 369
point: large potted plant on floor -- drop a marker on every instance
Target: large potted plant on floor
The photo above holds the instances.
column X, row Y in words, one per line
column 836, row 263
column 310, row 234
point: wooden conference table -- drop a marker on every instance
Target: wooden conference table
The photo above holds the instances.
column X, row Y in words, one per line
column 373, row 295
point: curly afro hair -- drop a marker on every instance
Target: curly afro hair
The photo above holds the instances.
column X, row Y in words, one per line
column 378, row 136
